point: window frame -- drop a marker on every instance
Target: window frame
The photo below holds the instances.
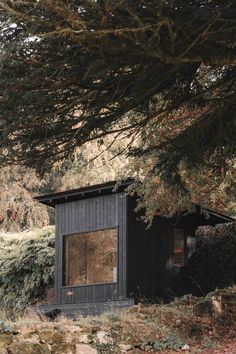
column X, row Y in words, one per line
column 173, row 248
column 64, row 258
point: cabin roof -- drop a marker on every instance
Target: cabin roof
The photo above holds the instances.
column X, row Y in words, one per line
column 107, row 188
column 83, row 193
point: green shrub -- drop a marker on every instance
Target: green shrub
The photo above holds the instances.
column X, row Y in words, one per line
column 26, row 269
column 213, row 265
column 5, row 327
column 170, row 342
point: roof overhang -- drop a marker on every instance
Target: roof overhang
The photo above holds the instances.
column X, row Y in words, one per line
column 116, row 187
column 204, row 216
column 83, row 193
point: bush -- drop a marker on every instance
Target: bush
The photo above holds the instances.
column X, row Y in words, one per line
column 213, row 265
column 26, row 268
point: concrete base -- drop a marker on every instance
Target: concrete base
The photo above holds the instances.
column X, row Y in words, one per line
column 85, row 308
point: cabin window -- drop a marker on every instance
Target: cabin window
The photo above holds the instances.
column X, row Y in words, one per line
column 90, row 258
column 178, row 247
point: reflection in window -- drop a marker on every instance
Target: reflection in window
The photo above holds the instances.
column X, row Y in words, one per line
column 90, row 258
column 178, row 247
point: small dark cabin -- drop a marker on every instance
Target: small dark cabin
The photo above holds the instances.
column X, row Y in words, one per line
column 105, row 256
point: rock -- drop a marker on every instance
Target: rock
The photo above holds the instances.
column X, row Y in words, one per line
column 63, row 348
column 51, row 336
column 217, row 305
column 85, row 349
column 185, row 347
column 125, row 347
column 28, row 348
column 178, row 323
column 84, row 338
column 103, row 338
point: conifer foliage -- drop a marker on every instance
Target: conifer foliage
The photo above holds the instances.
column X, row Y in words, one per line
column 162, row 71
column 18, row 210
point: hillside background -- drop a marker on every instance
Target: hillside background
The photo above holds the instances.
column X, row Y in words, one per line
column 92, row 164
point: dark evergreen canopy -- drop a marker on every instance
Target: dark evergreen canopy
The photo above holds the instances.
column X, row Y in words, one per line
column 161, row 70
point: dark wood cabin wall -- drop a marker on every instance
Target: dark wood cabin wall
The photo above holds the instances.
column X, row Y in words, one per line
column 148, row 254
column 122, row 262
column 150, row 261
column 165, row 263
column 108, row 211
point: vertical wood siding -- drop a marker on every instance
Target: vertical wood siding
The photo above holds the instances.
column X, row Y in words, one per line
column 149, row 254
column 86, row 215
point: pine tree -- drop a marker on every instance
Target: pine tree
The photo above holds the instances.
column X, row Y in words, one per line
column 160, row 71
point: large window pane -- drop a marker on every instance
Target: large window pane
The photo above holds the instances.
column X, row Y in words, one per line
column 90, row 258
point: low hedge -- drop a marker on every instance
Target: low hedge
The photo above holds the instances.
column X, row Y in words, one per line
column 213, row 265
column 26, row 268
